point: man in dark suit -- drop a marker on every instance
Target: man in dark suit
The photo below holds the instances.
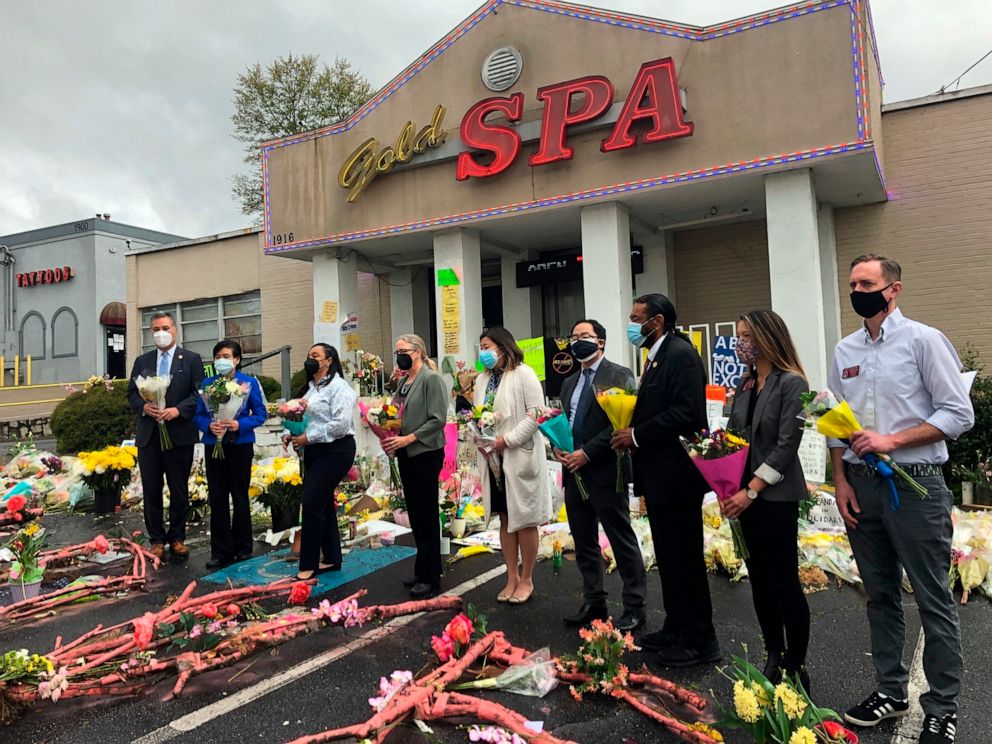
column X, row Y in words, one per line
column 671, row 402
column 595, row 461
column 186, row 369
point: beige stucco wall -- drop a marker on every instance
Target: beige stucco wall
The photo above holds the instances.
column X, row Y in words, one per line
column 937, row 223
column 780, row 88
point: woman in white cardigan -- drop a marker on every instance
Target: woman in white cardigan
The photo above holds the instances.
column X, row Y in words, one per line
column 524, row 502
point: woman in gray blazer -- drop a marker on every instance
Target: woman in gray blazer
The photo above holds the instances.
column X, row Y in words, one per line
column 766, row 408
column 419, row 451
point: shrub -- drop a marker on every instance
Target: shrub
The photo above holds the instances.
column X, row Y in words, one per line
column 93, row 419
column 296, row 382
column 271, row 387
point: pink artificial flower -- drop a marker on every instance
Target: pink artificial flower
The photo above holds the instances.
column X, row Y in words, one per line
column 460, row 629
column 443, row 646
column 208, row 610
column 214, row 627
column 101, row 544
column 15, row 571
column 144, row 630
column 196, row 631
column 299, row 594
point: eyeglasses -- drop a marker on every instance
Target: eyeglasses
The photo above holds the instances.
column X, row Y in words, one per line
column 405, row 352
column 583, row 337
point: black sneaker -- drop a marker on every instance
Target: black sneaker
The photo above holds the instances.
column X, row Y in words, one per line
column 938, row 730
column 876, row 709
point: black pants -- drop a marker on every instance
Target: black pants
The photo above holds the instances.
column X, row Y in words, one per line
column 227, row 483
column 677, row 532
column 609, row 508
column 325, row 465
column 771, row 532
column 175, row 465
column 420, row 475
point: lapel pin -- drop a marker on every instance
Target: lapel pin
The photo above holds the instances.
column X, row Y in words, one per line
column 654, row 364
column 180, row 356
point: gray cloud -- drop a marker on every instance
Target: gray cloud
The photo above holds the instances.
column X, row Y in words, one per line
column 124, row 106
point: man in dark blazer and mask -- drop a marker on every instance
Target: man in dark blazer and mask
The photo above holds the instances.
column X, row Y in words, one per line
column 595, row 461
column 186, row 370
column 671, row 403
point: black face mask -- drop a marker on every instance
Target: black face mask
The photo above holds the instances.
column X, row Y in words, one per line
column 310, row 366
column 584, row 349
column 404, row 361
column 869, row 304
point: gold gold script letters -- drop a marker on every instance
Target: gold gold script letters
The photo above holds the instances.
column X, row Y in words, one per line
column 367, row 162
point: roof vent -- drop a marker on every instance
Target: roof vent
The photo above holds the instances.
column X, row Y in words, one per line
column 502, row 69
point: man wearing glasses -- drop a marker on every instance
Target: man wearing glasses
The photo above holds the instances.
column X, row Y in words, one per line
column 596, row 462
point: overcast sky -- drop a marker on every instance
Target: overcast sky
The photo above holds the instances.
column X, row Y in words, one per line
column 124, row 106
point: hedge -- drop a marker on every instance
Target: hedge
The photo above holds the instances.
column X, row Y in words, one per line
column 92, row 419
column 271, row 387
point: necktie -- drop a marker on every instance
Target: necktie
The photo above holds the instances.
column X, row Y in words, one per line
column 583, row 404
column 163, row 364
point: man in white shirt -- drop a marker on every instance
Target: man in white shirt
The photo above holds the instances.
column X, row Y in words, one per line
column 903, row 381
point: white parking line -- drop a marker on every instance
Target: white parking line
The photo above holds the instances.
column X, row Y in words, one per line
column 207, row 713
column 908, row 730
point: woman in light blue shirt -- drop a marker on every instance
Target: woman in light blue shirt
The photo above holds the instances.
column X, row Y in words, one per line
column 327, row 450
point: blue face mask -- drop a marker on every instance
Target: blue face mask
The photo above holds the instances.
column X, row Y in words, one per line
column 223, row 366
column 488, row 357
column 634, row 334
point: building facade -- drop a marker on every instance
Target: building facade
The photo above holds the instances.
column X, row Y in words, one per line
column 63, row 297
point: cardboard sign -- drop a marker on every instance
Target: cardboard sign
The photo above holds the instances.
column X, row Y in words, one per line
column 825, row 517
column 813, row 456
column 533, row 349
column 451, row 312
column 726, row 368
column 329, row 312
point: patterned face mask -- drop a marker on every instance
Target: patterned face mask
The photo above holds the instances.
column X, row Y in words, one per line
column 746, row 351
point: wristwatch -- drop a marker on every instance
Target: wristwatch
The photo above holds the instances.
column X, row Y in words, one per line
column 752, row 494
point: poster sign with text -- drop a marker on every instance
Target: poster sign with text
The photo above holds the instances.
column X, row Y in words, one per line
column 533, row 349
column 451, row 324
column 813, row 456
column 727, row 369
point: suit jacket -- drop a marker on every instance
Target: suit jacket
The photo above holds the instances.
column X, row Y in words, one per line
column 183, row 393
column 596, row 428
column 775, row 434
column 671, row 403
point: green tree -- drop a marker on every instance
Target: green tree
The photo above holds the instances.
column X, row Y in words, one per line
column 290, row 96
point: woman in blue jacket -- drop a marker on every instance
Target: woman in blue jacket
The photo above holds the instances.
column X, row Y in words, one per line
column 228, row 478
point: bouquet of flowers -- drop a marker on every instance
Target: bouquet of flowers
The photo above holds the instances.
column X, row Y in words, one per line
column 277, row 484
column 22, row 551
column 720, row 457
column 294, row 416
column 554, row 426
column 224, row 398
column 385, row 420
column 481, row 422
column 152, row 390
column 601, row 658
column 108, row 469
column 619, row 406
column 780, row 712
column 836, row 420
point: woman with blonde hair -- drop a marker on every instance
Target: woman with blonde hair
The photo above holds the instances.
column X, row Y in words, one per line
column 766, row 409
column 419, row 452
column 522, row 500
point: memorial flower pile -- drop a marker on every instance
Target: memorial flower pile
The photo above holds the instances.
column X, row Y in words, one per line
column 720, row 457
column 224, row 398
column 367, row 370
column 152, row 390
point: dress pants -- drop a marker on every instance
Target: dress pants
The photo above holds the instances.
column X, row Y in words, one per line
column 605, row 506
column 677, row 532
column 325, row 466
column 227, row 484
column 175, row 465
column 420, row 475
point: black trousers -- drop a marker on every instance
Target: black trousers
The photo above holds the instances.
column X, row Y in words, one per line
column 174, row 464
column 771, row 531
column 227, row 484
column 420, row 475
column 325, row 465
column 609, row 508
column 677, row 532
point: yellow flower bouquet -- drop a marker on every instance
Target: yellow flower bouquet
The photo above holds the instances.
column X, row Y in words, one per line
column 107, row 472
column 619, row 407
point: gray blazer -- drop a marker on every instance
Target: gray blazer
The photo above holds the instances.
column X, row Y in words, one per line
column 426, row 412
column 776, row 432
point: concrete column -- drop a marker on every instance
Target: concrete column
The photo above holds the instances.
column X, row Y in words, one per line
column 829, row 277
column 460, row 251
column 334, row 279
column 400, row 304
column 659, row 265
column 518, row 302
column 794, row 262
column 606, row 277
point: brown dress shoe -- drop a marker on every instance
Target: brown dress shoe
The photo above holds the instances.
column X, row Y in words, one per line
column 179, row 550
column 158, row 550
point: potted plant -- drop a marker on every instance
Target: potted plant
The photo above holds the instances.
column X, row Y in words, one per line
column 107, row 472
column 279, row 486
column 26, row 571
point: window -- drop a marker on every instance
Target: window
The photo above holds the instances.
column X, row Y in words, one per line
column 32, row 336
column 205, row 322
column 65, row 333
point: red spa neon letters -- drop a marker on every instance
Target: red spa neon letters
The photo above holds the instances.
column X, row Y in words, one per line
column 654, row 98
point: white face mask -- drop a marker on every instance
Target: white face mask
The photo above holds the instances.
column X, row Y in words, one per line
column 163, row 339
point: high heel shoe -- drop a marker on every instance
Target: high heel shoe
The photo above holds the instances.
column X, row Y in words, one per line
column 793, row 671
column 773, row 667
